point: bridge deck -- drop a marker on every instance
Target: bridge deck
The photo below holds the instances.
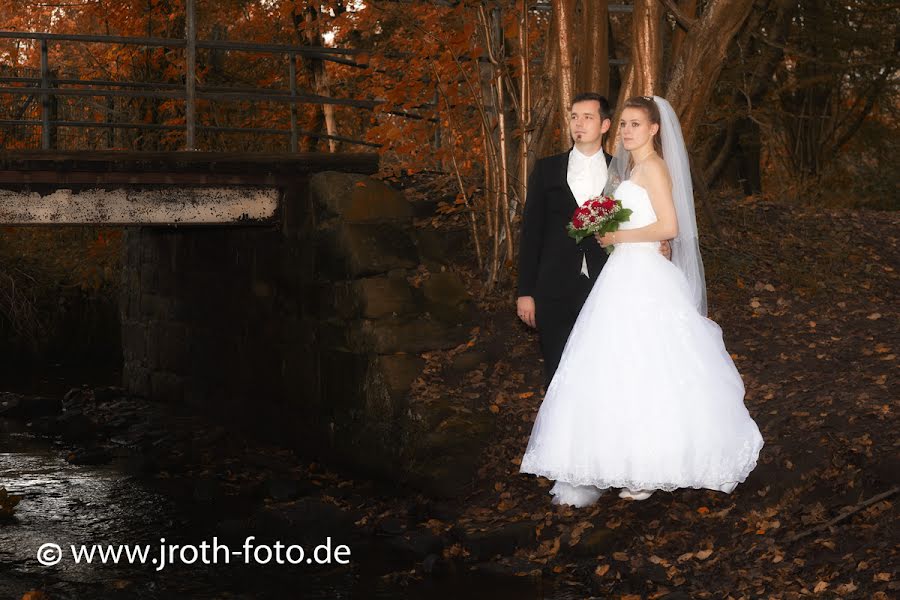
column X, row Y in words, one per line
column 156, row 188
column 56, row 168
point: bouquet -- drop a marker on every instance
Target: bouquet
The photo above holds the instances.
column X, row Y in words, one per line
column 600, row 214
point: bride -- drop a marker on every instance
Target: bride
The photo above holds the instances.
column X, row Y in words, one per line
column 645, row 397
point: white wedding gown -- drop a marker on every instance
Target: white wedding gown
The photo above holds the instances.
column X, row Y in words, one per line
column 645, row 397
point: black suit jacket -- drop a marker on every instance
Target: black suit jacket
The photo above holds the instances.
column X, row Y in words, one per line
column 550, row 260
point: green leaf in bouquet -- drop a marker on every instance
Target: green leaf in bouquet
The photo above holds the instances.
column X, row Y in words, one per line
column 576, row 234
column 623, row 215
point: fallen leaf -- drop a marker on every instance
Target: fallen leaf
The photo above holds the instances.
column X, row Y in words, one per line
column 845, row 588
column 601, row 570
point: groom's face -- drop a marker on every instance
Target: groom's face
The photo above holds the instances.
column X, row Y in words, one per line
column 585, row 123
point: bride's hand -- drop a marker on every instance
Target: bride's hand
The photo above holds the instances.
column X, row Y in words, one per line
column 608, row 239
column 665, row 248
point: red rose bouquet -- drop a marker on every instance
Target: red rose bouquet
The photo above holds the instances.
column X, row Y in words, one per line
column 600, row 214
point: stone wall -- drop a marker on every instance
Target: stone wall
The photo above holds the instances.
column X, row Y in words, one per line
column 310, row 330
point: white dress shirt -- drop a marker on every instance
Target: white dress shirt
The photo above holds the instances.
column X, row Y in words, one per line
column 586, row 177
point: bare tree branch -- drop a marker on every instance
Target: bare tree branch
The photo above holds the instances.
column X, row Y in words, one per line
column 683, row 20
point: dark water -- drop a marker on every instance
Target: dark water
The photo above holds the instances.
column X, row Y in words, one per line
column 78, row 505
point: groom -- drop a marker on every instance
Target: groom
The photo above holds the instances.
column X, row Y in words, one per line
column 556, row 274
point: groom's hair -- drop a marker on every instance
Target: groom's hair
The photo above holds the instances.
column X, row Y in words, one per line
column 605, row 111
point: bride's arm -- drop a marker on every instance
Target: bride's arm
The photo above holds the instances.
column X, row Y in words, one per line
column 659, row 187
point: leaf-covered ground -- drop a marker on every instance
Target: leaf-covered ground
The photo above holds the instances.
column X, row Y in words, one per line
column 807, row 299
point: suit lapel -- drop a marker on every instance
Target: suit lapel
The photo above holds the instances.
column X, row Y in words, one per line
column 564, row 173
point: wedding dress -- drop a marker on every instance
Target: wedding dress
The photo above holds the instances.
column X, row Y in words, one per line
column 646, row 396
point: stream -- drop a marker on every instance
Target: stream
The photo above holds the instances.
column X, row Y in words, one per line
column 66, row 505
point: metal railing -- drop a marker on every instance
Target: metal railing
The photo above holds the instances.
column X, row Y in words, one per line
column 46, row 87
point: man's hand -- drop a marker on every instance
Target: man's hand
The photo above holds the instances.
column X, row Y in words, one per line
column 525, row 310
column 665, row 248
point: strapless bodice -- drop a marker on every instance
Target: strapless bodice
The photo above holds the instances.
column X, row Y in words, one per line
column 637, row 199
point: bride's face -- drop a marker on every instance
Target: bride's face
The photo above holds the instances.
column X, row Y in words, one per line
column 636, row 129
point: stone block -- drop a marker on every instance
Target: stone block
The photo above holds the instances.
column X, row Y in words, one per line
column 294, row 208
column 148, row 276
column 386, row 336
column 338, row 299
column 444, row 461
column 174, row 352
column 446, row 298
column 343, row 375
column 440, row 247
column 398, row 372
column 134, row 340
column 336, row 334
column 154, row 306
column 384, row 297
column 357, row 198
column 369, row 249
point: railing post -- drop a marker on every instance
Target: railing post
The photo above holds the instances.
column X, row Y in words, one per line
column 292, row 70
column 190, row 109
column 46, row 133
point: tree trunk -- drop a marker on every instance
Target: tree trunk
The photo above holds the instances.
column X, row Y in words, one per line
column 524, row 104
column 625, row 92
column 545, row 115
column 689, row 8
column 700, row 61
column 646, row 48
column 565, row 37
column 644, row 73
column 593, row 66
column 314, row 35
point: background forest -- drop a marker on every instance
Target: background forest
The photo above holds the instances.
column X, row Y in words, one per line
column 790, row 111
column 787, row 101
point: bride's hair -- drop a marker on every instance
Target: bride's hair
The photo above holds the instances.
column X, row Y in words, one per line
column 647, row 104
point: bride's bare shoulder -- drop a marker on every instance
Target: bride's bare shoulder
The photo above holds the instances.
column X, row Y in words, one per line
column 657, row 171
column 653, row 172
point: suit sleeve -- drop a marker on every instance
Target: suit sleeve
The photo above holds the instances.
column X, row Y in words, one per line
column 531, row 239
